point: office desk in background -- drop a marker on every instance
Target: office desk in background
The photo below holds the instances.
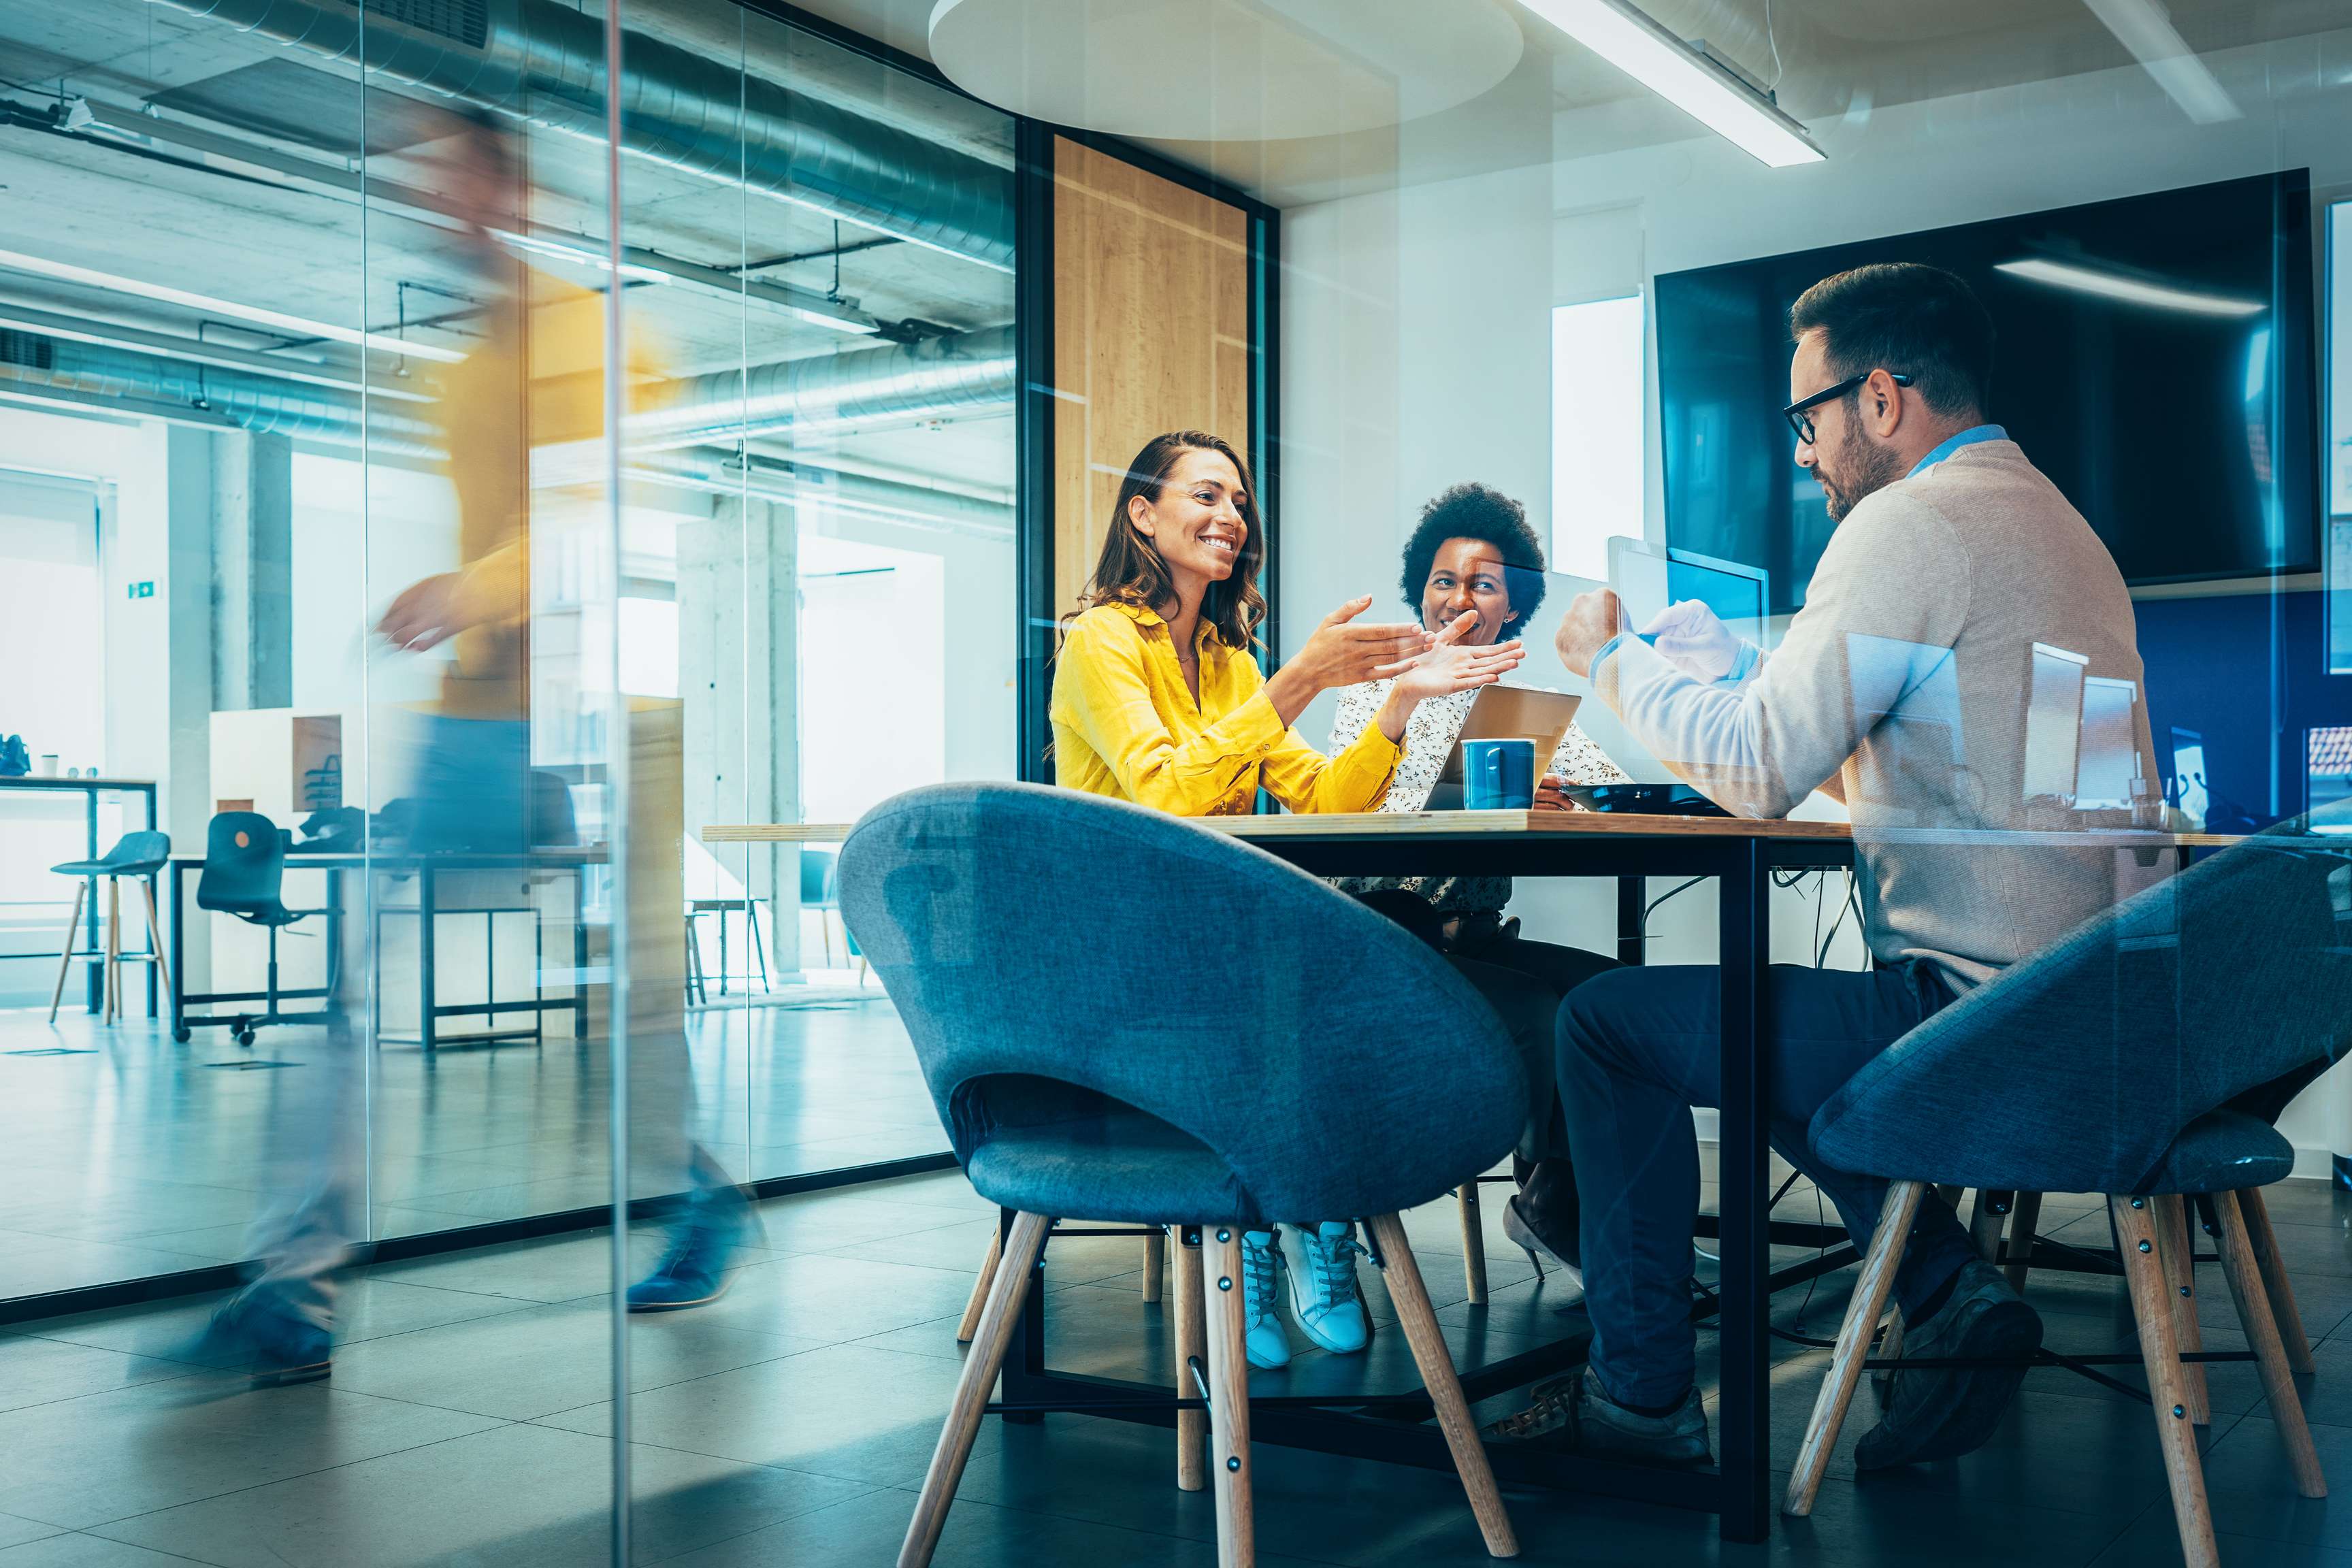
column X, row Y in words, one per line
column 427, row 869
column 1741, row 856
column 90, row 790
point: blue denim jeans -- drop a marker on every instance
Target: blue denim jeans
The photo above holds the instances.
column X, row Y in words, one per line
column 1638, row 1047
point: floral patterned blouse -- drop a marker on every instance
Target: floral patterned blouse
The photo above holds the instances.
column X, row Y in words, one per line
column 1429, row 736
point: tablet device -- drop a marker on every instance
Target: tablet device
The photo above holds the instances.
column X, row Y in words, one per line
column 1505, row 714
column 1637, row 572
column 1647, row 579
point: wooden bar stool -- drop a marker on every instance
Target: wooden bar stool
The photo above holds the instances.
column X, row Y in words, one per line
column 139, row 856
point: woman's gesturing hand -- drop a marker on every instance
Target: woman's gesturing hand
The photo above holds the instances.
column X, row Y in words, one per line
column 1449, row 666
column 1344, row 650
column 1341, row 652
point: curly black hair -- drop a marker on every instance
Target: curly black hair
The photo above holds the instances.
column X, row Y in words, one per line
column 1481, row 512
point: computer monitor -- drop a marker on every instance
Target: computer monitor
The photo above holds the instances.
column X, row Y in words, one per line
column 2054, row 723
column 1647, row 579
column 2106, row 767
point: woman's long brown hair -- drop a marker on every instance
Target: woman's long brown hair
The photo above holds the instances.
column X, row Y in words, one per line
column 1131, row 571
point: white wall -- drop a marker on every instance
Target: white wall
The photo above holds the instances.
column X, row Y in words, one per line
column 1416, row 340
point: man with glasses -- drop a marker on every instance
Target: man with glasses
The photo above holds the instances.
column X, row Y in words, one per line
column 1899, row 689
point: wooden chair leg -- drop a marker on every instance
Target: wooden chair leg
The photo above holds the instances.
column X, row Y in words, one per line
column 1410, row 1295
column 1155, row 1263
column 2275, row 1283
column 971, row 1309
column 2021, row 1224
column 2152, row 1299
column 65, row 958
column 1474, row 1243
column 1228, row 1359
column 1985, row 1222
column 1869, row 1299
column 997, row 1322
column 1191, row 1344
column 156, row 933
column 2245, row 1273
column 2173, row 1244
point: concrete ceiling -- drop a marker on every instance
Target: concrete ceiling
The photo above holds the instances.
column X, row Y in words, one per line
column 281, row 232
column 1832, row 56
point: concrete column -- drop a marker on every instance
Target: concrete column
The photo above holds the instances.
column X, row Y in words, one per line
column 253, row 570
column 158, row 541
column 737, row 634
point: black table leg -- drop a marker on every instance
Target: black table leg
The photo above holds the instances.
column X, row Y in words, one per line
column 1632, row 893
column 427, row 1000
column 1745, row 1413
column 154, row 938
column 97, row 989
column 179, row 959
column 579, row 953
column 1028, row 1362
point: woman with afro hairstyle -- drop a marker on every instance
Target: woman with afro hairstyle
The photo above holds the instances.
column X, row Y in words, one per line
column 1474, row 553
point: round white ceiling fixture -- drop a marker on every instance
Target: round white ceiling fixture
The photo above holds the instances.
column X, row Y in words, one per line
column 1224, row 70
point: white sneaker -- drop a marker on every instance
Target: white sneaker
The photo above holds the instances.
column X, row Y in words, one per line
column 1324, row 1298
column 1262, row 1338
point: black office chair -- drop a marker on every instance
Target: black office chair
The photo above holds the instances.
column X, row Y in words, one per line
column 136, row 855
column 244, row 875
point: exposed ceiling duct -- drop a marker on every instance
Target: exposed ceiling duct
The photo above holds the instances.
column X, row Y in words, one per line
column 938, row 377
column 831, row 392
column 544, row 62
column 766, row 478
column 266, row 405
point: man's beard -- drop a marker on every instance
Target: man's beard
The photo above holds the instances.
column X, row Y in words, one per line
column 1863, row 469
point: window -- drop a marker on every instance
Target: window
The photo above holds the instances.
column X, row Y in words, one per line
column 1596, row 432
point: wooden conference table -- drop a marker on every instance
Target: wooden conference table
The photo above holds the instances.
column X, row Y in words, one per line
column 1741, row 856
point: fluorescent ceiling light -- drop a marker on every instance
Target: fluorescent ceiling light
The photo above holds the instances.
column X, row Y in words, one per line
column 2131, row 290
column 579, row 256
column 2142, row 27
column 300, row 326
column 1684, row 78
column 651, row 266
column 816, row 317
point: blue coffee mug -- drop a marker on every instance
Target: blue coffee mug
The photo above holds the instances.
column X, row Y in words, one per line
column 1499, row 776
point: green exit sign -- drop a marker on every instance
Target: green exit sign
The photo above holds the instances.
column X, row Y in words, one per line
column 141, row 590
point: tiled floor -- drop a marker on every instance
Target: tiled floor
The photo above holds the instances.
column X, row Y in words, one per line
column 469, row 1419
column 123, row 1155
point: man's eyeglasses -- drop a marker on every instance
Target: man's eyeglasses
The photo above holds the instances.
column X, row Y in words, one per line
column 1800, row 422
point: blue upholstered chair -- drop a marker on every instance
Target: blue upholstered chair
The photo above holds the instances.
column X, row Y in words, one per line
column 1129, row 1016
column 2143, row 1057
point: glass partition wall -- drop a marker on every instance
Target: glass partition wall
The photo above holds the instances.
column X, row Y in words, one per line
column 305, row 500
column 319, row 558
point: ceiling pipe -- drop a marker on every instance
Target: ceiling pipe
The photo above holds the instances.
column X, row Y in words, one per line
column 822, row 395
column 544, row 62
column 816, row 485
column 830, row 392
column 265, row 404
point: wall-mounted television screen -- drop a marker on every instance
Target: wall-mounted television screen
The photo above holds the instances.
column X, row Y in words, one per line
column 2154, row 358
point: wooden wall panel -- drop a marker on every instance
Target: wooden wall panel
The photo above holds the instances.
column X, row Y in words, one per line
column 1150, row 334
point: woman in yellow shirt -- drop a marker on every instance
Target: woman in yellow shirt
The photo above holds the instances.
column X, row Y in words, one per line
column 1157, row 699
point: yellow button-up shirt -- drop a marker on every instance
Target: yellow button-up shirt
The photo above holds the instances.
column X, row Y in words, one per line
column 1125, row 725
